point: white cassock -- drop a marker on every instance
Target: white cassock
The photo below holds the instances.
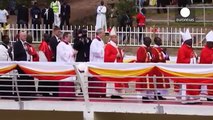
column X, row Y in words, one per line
column 97, row 51
column 64, row 53
column 4, row 55
column 101, row 18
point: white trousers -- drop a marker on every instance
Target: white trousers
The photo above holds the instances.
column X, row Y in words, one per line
column 57, row 20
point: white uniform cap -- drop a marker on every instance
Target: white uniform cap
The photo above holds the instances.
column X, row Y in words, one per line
column 209, row 36
column 186, row 35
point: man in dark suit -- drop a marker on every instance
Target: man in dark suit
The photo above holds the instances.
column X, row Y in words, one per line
column 21, row 54
column 54, row 40
column 65, row 14
column 22, row 16
column 35, row 14
column 82, row 45
column 48, row 17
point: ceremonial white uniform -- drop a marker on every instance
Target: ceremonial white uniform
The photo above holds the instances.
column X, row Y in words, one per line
column 101, row 18
column 97, row 50
column 3, row 16
column 65, row 53
column 4, row 55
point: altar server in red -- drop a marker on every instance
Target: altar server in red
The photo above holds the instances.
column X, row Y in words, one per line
column 206, row 57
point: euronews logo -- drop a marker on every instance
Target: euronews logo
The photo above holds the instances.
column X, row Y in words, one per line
column 185, row 15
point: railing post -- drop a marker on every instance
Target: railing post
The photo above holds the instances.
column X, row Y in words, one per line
column 21, row 104
column 83, row 79
column 159, row 108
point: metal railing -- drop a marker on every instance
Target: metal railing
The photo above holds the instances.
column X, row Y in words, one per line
column 126, row 36
column 86, row 87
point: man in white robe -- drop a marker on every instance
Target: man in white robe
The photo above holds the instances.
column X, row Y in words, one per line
column 101, row 17
column 97, row 47
column 97, row 55
column 5, row 48
column 65, row 54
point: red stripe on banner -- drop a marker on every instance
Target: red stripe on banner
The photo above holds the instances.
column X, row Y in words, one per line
column 48, row 75
column 186, row 80
column 124, row 79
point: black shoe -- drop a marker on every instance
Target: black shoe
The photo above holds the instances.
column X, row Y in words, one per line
column 116, row 97
column 146, row 99
column 209, row 99
column 159, row 97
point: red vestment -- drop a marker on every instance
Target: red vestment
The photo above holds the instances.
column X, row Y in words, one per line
column 33, row 53
column 185, row 53
column 158, row 56
column 44, row 47
column 110, row 55
column 206, row 57
column 144, row 56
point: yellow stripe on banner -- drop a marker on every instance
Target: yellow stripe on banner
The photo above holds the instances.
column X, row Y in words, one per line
column 182, row 74
column 7, row 69
column 31, row 71
column 120, row 73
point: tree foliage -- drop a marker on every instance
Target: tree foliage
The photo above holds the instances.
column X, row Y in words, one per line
column 126, row 5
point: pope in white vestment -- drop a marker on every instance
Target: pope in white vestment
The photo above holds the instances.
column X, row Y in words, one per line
column 101, row 17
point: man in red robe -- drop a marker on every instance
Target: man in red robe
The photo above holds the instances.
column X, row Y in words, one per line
column 186, row 55
column 206, row 57
column 144, row 55
column 45, row 52
column 114, row 54
column 158, row 56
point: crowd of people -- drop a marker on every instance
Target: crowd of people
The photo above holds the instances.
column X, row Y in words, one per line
column 55, row 14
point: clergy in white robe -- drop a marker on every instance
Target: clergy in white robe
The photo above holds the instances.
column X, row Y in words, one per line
column 97, row 47
column 5, row 54
column 65, row 54
column 97, row 55
column 101, row 17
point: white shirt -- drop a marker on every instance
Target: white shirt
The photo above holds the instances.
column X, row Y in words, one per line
column 64, row 53
column 3, row 16
column 4, row 55
column 101, row 10
column 97, row 51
